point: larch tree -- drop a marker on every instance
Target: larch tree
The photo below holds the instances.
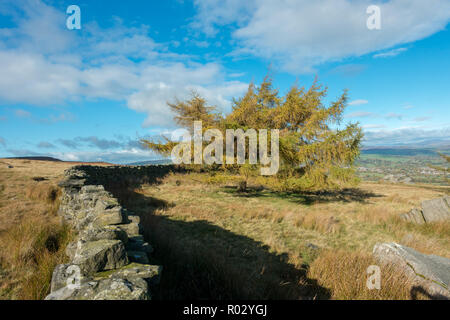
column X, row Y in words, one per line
column 315, row 150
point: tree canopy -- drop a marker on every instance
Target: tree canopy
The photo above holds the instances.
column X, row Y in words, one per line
column 314, row 147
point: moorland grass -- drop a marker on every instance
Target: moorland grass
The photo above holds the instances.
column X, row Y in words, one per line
column 216, row 242
column 32, row 238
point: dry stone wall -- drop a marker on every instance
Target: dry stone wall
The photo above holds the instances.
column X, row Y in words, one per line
column 109, row 256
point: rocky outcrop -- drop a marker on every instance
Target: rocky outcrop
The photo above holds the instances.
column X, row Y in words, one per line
column 132, row 282
column 109, row 257
column 432, row 211
column 105, row 289
column 430, row 273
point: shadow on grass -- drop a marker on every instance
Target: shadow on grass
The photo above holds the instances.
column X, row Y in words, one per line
column 306, row 197
column 418, row 291
column 204, row 261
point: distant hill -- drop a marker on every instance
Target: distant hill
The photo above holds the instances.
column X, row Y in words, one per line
column 150, row 162
column 400, row 151
column 36, row 158
column 51, row 159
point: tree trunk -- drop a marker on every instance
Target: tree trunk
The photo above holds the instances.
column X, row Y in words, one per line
column 242, row 187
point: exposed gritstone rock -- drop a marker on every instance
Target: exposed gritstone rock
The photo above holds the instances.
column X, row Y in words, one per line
column 434, row 210
column 65, row 274
column 415, row 215
column 132, row 229
column 150, row 273
column 430, row 272
column 105, row 289
column 103, row 233
column 100, row 255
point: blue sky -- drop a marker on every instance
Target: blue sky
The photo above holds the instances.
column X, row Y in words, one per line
column 91, row 94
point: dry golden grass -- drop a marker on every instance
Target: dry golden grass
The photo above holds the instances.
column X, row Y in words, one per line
column 345, row 274
column 207, row 220
column 217, row 243
column 32, row 237
column 32, row 249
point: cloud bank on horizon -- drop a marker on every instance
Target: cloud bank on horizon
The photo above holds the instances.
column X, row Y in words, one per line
column 75, row 94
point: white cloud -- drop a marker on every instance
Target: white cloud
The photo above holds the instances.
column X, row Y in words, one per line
column 39, row 27
column 348, row 70
column 44, row 83
column 22, row 113
column 164, row 84
column 213, row 14
column 121, row 41
column 359, row 114
column 373, row 126
column 70, row 156
column 393, row 115
column 302, row 34
column 121, row 149
column 390, row 53
column 118, row 156
column 24, row 152
column 357, row 102
column 421, row 119
column 408, row 136
column 45, row 145
column 52, row 118
column 118, row 63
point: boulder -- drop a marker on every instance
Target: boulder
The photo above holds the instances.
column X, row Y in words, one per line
column 123, row 289
column 71, row 249
column 431, row 273
column 415, row 216
column 150, row 273
column 65, row 274
column 111, row 216
column 94, row 256
column 93, row 233
column 105, row 289
column 431, row 211
column 131, row 229
column 106, row 202
column 92, row 189
column 436, row 209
